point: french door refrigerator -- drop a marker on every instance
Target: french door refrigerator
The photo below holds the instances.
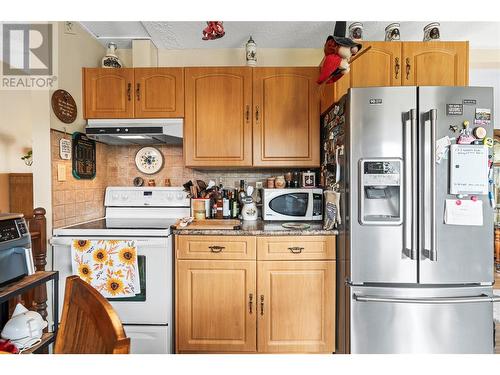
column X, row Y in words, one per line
column 409, row 282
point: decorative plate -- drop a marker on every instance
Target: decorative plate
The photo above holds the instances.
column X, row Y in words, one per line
column 149, row 160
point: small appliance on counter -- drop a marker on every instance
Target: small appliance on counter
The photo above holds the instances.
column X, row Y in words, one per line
column 16, row 259
column 302, row 204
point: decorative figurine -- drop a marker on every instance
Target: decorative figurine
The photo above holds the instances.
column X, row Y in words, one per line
column 251, row 52
column 214, row 30
column 392, row 32
column 111, row 60
column 431, row 32
column 338, row 51
column 356, row 31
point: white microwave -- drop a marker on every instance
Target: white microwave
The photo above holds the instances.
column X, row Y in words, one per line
column 292, row 204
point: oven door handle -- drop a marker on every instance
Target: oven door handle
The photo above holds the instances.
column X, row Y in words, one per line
column 66, row 241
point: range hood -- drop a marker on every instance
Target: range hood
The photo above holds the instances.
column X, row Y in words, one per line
column 156, row 131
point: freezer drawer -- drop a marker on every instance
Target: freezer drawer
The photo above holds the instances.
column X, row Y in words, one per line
column 421, row 320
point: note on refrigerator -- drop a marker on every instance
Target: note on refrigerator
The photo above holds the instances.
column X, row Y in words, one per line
column 463, row 212
column 468, row 169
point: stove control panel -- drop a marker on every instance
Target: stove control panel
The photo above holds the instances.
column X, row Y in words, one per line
column 146, row 196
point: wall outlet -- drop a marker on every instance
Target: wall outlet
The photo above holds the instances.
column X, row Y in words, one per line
column 61, row 172
column 69, row 27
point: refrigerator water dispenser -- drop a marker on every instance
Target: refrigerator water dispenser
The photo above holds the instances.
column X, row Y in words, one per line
column 380, row 192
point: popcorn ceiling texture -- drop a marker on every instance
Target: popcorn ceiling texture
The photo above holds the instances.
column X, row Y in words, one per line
column 75, row 201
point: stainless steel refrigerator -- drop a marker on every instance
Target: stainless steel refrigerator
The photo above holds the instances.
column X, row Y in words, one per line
column 407, row 281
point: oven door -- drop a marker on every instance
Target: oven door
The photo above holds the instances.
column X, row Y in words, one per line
column 288, row 206
column 154, row 304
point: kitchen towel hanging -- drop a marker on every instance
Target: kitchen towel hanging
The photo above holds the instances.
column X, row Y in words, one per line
column 110, row 266
column 332, row 209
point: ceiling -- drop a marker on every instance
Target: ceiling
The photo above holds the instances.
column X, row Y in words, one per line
column 279, row 34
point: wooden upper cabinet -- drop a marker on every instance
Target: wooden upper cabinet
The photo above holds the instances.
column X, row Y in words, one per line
column 218, row 121
column 435, row 63
column 286, row 117
column 216, row 307
column 108, row 92
column 159, row 92
column 380, row 66
column 296, row 302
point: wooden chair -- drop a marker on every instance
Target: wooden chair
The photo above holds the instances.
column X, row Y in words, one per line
column 89, row 325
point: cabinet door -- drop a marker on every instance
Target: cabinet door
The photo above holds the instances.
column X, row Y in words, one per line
column 218, row 122
column 380, row 66
column 159, row 92
column 108, row 92
column 435, row 63
column 216, row 306
column 296, row 306
column 286, row 117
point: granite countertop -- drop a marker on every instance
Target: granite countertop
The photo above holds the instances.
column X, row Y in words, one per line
column 262, row 228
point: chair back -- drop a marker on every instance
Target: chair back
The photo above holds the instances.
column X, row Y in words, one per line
column 89, row 325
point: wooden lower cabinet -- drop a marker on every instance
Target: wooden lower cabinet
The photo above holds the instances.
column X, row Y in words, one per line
column 215, row 306
column 296, row 302
column 273, row 305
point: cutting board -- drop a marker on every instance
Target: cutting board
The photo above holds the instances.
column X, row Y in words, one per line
column 229, row 224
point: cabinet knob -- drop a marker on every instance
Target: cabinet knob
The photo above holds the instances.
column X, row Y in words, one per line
column 396, row 67
column 247, row 112
column 250, row 303
column 129, row 88
column 138, row 91
column 261, row 304
column 257, row 113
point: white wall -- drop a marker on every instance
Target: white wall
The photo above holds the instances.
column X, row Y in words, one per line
column 15, row 130
column 74, row 52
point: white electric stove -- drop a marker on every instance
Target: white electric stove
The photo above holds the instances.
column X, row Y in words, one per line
column 143, row 214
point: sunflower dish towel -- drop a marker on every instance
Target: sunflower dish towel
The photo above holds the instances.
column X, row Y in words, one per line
column 110, row 266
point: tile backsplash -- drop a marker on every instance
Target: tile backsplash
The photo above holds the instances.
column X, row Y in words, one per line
column 76, row 200
column 122, row 169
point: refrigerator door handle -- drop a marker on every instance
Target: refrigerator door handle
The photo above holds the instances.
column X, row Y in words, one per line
column 411, row 188
column 431, row 251
column 432, row 301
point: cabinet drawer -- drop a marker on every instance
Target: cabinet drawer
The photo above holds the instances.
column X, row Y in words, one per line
column 296, row 247
column 215, row 247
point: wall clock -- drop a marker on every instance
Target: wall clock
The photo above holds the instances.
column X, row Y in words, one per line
column 149, row 160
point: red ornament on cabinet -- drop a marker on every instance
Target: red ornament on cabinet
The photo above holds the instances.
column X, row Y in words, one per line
column 214, row 30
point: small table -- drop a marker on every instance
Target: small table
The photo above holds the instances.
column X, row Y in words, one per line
column 23, row 285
